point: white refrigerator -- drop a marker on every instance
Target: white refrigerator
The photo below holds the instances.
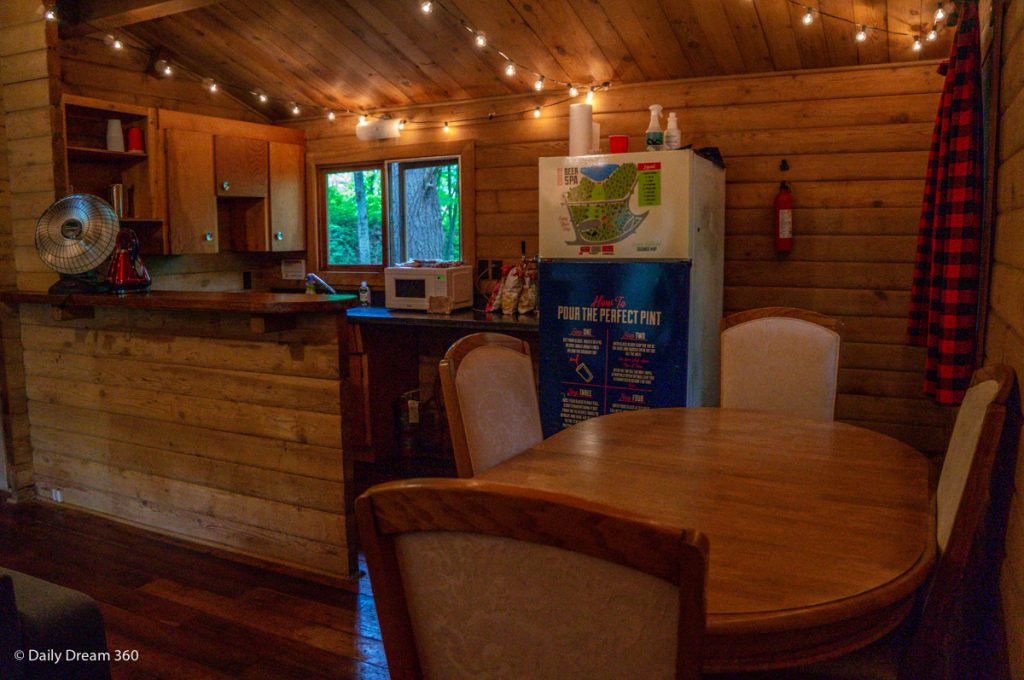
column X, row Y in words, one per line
column 631, row 249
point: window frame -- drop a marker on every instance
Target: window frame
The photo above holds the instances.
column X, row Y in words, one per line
column 319, row 163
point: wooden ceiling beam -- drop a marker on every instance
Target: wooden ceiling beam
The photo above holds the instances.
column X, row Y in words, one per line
column 90, row 16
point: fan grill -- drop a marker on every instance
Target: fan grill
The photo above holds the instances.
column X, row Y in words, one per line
column 76, row 234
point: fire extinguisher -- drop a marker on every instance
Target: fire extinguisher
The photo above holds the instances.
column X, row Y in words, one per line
column 784, row 219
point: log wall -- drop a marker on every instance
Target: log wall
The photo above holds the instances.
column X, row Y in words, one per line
column 193, row 425
column 1005, row 336
column 856, row 141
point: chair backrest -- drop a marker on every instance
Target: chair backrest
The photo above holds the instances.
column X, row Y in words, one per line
column 962, row 501
column 490, row 396
column 481, row 580
column 782, row 360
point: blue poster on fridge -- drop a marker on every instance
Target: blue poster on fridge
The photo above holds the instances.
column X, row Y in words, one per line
column 631, row 249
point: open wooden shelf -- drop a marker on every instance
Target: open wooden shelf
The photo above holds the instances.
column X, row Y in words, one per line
column 104, row 154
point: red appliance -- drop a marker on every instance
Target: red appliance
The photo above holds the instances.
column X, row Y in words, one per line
column 127, row 273
column 784, row 219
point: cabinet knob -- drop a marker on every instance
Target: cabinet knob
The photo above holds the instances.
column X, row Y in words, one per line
column 208, row 236
column 225, row 185
column 279, row 236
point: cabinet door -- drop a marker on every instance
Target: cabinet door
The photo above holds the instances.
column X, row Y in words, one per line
column 241, row 167
column 191, row 203
column 287, row 191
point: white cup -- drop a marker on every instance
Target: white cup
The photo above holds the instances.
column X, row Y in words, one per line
column 115, row 135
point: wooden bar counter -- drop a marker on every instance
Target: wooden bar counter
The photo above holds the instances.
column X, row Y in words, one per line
column 213, row 417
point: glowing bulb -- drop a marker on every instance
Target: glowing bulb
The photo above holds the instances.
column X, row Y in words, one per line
column 940, row 13
column 212, row 86
column 917, row 43
column 573, row 92
column 296, row 110
column 539, row 85
column 808, row 17
column 932, row 35
column 362, row 119
column 401, row 125
column 427, row 7
column 263, row 98
column 536, row 112
column 862, row 34
column 330, row 115
column 117, row 44
column 50, row 15
column 164, row 67
column 510, row 69
column 590, row 96
column 446, row 128
column 481, row 40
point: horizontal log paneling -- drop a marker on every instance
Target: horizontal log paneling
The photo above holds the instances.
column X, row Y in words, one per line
column 194, row 425
column 1005, row 331
column 857, row 145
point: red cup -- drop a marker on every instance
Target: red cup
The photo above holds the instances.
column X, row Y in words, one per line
column 618, row 143
column 135, row 139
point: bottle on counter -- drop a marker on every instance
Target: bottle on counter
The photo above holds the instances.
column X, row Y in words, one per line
column 673, row 139
column 364, row 294
column 654, row 138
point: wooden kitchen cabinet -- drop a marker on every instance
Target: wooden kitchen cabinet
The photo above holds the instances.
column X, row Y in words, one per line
column 241, row 165
column 191, row 202
column 287, row 197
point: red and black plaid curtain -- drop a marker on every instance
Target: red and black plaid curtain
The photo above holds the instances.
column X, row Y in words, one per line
column 944, row 299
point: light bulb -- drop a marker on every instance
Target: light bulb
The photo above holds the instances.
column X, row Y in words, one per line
column 590, row 96
column 117, row 44
column 862, row 34
column 510, row 69
column 536, row 112
column 539, row 84
column 330, row 115
column 362, row 119
column 481, row 40
column 940, row 13
column 164, row 67
column 917, row 43
column 212, row 86
column 401, row 125
column 263, row 98
column 427, row 7
column 932, row 35
column 808, row 17
column 573, row 92
column 446, row 128
column 50, row 15
column 295, row 109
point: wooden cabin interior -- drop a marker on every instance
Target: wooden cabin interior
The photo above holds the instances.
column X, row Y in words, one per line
column 188, row 457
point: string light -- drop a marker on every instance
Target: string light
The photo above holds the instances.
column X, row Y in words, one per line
column 426, row 7
column 362, row 119
column 296, row 110
column 481, row 40
column 112, row 42
column 50, row 14
column 163, row 66
column 862, row 29
column 263, row 98
column 446, row 128
column 917, row 43
column 331, row 115
column 932, row 35
column 401, row 124
column 510, row 68
column 808, row 17
column 211, row 85
column 590, row 96
column 940, row 13
column 862, row 34
column 573, row 92
column 539, row 85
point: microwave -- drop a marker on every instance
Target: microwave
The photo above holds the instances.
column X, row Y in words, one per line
column 412, row 287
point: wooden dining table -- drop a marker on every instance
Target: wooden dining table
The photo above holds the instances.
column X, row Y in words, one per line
column 821, row 533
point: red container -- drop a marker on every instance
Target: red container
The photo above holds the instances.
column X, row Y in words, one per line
column 618, row 143
column 135, row 139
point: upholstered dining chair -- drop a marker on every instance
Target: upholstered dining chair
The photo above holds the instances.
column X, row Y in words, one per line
column 490, row 396
column 780, row 359
column 931, row 645
column 474, row 579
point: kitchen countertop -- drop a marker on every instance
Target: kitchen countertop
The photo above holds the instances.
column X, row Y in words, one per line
column 196, row 301
column 468, row 319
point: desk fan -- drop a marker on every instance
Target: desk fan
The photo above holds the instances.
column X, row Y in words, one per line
column 73, row 237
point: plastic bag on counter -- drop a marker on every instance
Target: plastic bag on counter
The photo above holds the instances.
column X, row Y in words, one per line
column 494, row 301
column 528, row 297
column 511, row 289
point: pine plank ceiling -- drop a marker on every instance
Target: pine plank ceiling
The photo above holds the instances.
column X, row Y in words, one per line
column 372, row 54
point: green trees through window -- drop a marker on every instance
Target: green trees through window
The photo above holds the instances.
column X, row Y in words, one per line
column 423, row 213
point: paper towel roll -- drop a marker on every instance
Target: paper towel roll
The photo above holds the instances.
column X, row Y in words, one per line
column 595, row 144
column 581, row 117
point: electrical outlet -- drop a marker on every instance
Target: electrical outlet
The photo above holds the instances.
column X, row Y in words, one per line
column 495, row 269
column 58, row 495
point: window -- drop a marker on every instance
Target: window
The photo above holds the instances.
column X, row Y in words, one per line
column 390, row 212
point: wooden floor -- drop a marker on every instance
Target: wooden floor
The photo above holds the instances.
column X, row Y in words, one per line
column 191, row 613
